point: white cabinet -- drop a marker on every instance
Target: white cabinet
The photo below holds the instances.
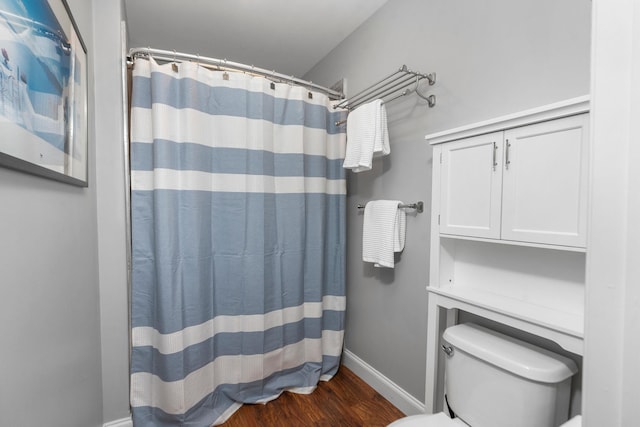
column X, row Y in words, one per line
column 508, row 231
column 544, row 195
column 471, row 186
column 526, row 184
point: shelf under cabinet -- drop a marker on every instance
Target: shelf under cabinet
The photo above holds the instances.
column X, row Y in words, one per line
column 526, row 286
column 515, row 243
column 564, row 328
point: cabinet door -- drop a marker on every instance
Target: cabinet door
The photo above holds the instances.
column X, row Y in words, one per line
column 470, row 187
column 545, row 182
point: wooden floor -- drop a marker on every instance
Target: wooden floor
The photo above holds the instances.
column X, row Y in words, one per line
column 345, row 401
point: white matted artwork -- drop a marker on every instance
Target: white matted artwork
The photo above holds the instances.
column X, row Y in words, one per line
column 43, row 91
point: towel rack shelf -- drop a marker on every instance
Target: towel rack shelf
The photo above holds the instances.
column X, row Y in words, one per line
column 392, row 87
column 418, row 206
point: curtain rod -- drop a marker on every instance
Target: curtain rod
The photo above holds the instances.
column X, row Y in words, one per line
column 223, row 64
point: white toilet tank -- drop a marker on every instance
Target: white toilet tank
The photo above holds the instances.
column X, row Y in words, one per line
column 493, row 380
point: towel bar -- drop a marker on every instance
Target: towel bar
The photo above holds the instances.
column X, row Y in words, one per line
column 394, row 86
column 391, row 86
column 418, row 206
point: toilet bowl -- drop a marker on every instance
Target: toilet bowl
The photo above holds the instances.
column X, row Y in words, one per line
column 494, row 380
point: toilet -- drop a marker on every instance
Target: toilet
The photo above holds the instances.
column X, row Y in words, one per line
column 493, row 380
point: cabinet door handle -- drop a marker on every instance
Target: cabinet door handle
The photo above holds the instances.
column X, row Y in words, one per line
column 507, row 160
column 495, row 162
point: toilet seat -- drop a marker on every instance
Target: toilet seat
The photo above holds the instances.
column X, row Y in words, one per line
column 435, row 420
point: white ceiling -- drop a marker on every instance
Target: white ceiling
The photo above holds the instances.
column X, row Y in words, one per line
column 288, row 36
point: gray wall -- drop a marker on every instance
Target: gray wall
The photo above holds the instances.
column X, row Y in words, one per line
column 492, row 58
column 49, row 302
column 63, row 299
column 107, row 17
column 111, row 209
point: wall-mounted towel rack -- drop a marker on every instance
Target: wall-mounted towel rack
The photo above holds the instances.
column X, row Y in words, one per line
column 418, row 206
column 394, row 86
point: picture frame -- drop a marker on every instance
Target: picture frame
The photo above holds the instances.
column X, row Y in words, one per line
column 43, row 91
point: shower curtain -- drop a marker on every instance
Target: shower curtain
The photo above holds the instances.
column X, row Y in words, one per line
column 238, row 227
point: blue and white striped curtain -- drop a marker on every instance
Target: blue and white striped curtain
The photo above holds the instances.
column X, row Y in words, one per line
column 238, row 218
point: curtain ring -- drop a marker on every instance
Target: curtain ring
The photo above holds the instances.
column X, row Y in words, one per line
column 174, row 66
column 225, row 76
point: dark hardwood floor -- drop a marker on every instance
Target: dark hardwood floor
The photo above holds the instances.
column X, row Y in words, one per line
column 345, row 401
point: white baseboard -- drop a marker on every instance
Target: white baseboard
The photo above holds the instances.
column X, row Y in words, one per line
column 383, row 385
column 124, row 422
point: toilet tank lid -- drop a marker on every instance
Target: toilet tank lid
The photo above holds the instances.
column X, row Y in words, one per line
column 516, row 356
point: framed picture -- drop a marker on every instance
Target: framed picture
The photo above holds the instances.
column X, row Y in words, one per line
column 43, row 91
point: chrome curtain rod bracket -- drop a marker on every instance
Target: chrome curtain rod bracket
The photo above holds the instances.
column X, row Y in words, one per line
column 173, row 56
column 418, row 206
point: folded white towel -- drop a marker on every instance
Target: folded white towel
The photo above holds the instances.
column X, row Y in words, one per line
column 367, row 136
column 383, row 232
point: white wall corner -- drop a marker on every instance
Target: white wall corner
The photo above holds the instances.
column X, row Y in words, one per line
column 124, row 422
column 383, row 385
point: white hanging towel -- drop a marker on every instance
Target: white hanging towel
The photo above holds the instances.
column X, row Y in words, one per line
column 383, row 232
column 367, row 136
